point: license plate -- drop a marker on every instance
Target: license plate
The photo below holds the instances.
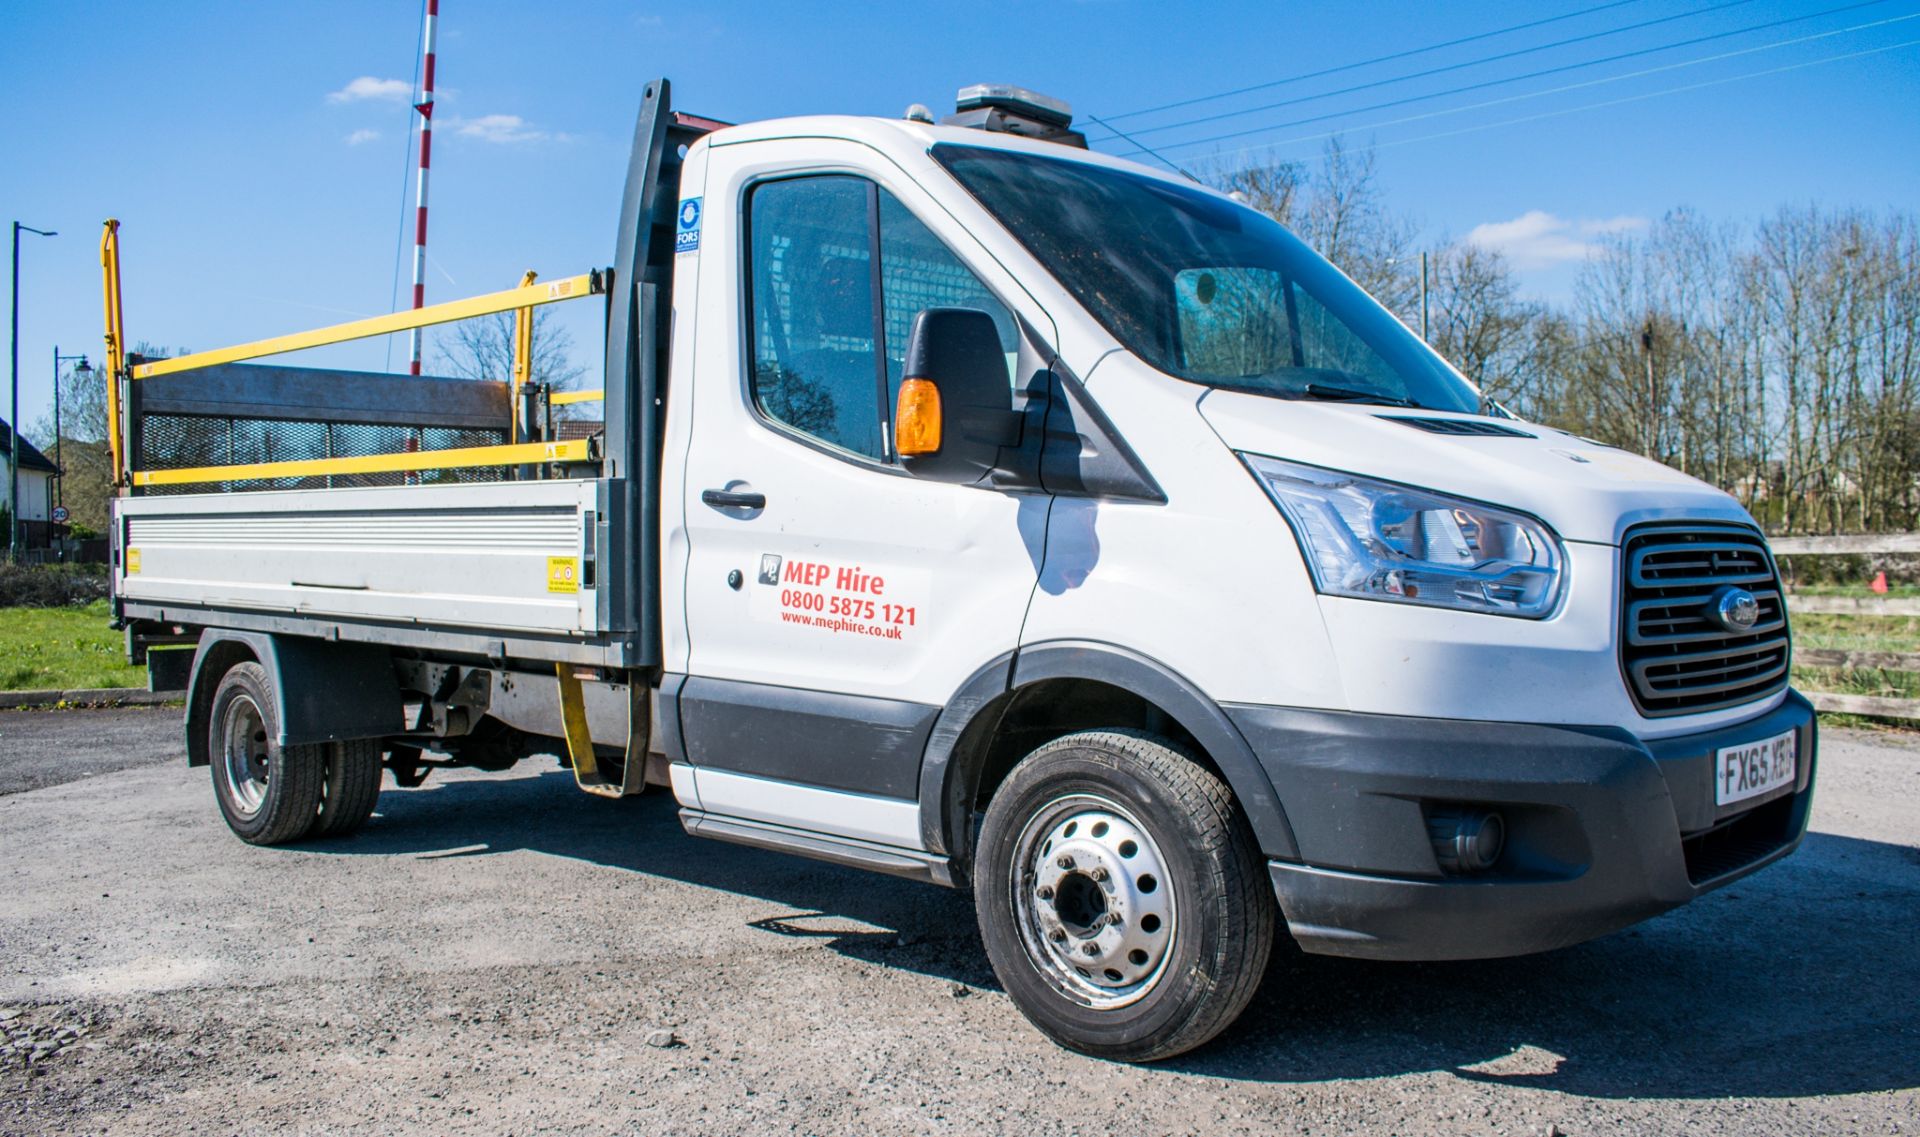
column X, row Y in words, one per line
column 1751, row 769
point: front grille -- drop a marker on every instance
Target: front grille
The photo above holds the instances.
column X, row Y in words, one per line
column 1739, row 841
column 1678, row 658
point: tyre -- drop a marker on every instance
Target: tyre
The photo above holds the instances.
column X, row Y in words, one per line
column 268, row 793
column 351, row 787
column 1122, row 902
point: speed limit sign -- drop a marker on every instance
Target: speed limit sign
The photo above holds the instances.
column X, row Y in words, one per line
column 60, row 515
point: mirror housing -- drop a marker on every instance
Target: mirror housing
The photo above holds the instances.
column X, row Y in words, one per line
column 957, row 351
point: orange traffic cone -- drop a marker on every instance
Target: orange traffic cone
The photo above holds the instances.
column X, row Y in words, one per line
column 1879, row 583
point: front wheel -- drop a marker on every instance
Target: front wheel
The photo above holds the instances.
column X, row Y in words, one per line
column 1120, row 897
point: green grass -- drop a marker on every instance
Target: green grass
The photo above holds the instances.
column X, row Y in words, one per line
column 63, row 648
column 1893, row 590
column 1857, row 633
column 1858, row 681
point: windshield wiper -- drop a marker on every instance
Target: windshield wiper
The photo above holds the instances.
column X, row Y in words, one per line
column 1351, row 395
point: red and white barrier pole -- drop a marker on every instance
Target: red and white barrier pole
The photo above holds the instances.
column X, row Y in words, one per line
column 425, row 107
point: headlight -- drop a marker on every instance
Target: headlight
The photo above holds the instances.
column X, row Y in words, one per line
column 1381, row 541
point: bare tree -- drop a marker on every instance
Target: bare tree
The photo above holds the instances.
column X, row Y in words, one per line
column 1336, row 207
column 1480, row 324
column 482, row 348
column 1272, row 187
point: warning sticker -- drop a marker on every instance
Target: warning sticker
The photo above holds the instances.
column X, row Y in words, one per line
column 133, row 561
column 888, row 604
column 563, row 574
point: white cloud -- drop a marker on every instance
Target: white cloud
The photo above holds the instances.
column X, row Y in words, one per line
column 1620, row 224
column 360, row 136
column 366, row 87
column 1538, row 239
column 499, row 128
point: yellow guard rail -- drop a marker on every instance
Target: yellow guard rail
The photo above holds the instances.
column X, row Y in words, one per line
column 521, row 301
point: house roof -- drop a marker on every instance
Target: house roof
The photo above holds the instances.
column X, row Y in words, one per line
column 30, row 457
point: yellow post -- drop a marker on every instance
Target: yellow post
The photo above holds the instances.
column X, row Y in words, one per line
column 116, row 343
column 522, row 360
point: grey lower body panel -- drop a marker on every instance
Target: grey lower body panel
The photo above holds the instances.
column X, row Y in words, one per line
column 1603, row 830
column 814, row 738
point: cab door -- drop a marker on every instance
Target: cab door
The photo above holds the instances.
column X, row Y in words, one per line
column 834, row 602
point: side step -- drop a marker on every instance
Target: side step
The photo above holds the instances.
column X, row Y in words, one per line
column 819, row 846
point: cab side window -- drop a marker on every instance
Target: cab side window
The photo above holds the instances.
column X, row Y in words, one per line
column 815, row 362
column 827, row 359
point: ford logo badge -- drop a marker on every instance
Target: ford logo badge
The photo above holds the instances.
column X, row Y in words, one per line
column 1734, row 609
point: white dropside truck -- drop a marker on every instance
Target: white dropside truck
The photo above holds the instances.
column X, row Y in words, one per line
column 976, row 508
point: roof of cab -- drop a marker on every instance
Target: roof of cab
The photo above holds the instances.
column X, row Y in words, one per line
column 894, row 134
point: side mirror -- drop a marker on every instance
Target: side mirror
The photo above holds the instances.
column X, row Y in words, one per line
column 955, row 409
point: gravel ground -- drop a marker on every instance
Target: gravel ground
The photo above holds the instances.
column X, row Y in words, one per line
column 46, row 748
column 501, row 954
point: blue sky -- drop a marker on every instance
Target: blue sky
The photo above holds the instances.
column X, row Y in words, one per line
column 260, row 186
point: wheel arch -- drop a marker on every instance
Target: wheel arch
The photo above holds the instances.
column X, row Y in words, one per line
column 1018, row 702
column 322, row 691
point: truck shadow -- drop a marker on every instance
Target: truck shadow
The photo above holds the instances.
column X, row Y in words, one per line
column 1798, row 981
column 908, row 925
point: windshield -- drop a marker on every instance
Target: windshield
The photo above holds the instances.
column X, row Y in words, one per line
column 1203, row 288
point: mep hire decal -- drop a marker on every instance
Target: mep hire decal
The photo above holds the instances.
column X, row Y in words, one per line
column 817, row 595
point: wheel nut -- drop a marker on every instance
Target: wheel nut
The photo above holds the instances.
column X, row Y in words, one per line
column 1065, row 861
column 1044, row 893
column 1091, row 949
column 1057, row 935
column 1098, row 873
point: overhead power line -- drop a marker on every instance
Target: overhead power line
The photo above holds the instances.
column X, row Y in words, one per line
column 1642, row 97
column 1484, row 85
column 1145, row 149
column 1369, row 62
column 1451, row 67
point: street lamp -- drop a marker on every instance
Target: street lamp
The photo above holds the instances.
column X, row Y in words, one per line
column 13, row 451
column 80, row 370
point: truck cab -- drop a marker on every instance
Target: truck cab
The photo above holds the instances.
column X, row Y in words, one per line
column 1020, row 518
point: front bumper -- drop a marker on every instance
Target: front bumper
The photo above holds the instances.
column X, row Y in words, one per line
column 1603, row 830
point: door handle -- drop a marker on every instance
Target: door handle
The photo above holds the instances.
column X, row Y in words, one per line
column 734, row 499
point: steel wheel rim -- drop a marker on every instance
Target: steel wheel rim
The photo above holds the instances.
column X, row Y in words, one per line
column 243, row 765
column 1093, row 901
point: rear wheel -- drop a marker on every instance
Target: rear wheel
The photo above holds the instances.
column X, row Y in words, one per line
column 1120, row 897
column 351, row 787
column 268, row 793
